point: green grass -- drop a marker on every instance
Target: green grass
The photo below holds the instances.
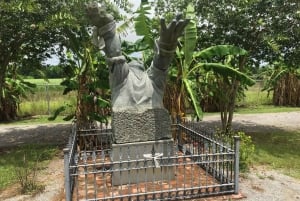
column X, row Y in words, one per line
column 44, row 82
column 279, row 151
column 257, row 101
column 40, row 106
column 266, row 109
column 12, row 159
column 255, row 97
column 47, row 97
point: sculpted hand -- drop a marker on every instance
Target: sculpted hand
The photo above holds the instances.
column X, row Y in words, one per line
column 170, row 33
column 97, row 15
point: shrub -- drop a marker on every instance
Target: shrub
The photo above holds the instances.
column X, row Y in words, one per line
column 26, row 176
column 247, row 149
column 247, row 146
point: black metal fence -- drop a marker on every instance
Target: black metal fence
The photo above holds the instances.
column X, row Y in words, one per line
column 193, row 164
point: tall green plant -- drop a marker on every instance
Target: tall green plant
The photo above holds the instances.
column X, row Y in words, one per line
column 84, row 64
column 229, row 80
column 193, row 63
column 284, row 82
column 185, row 58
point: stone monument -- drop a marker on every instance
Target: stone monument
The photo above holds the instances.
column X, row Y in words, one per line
column 139, row 119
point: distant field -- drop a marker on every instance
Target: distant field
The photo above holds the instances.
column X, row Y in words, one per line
column 254, row 96
column 45, row 82
column 47, row 97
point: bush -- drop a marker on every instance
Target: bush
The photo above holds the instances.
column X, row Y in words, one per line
column 247, row 147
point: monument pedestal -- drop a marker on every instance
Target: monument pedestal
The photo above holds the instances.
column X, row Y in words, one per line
column 142, row 162
column 141, row 125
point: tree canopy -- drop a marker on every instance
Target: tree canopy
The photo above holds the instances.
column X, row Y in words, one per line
column 31, row 30
column 25, row 38
column 267, row 29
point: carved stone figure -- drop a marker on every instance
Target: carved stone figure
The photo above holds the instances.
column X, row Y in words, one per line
column 137, row 95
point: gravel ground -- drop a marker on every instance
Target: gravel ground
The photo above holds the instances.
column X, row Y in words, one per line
column 260, row 184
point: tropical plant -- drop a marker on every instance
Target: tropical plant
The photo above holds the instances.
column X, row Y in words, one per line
column 15, row 88
column 218, row 59
column 84, row 64
column 185, row 73
column 284, row 82
column 229, row 81
column 25, row 38
column 181, row 81
column 268, row 30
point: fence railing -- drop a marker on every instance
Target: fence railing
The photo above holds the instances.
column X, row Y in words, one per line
column 191, row 165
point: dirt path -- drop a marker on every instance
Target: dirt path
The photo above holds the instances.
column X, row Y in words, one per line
column 14, row 135
column 261, row 184
column 52, row 177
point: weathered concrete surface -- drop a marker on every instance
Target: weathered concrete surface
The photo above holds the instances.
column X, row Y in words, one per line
column 154, row 165
column 140, row 126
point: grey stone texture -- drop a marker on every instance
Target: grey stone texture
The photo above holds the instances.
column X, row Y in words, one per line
column 145, row 162
column 141, row 125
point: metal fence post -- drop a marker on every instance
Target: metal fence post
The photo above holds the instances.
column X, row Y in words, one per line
column 179, row 133
column 67, row 174
column 237, row 140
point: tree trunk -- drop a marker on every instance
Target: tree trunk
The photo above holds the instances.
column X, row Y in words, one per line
column 82, row 106
column 287, row 91
column 8, row 106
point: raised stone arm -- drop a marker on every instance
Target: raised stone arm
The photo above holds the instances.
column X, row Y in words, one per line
column 106, row 38
column 104, row 32
column 165, row 48
column 131, row 86
column 167, row 42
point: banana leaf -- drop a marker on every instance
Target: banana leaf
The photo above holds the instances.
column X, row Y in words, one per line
column 219, row 51
column 227, row 71
column 192, row 94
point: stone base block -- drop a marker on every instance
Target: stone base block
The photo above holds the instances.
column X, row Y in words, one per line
column 140, row 126
column 142, row 162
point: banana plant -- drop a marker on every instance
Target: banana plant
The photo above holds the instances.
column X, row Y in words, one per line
column 183, row 82
column 229, row 80
column 283, row 81
column 15, row 88
column 191, row 63
column 87, row 74
column 180, row 73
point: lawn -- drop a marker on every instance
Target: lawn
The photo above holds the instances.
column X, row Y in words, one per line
column 278, row 150
column 46, row 99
